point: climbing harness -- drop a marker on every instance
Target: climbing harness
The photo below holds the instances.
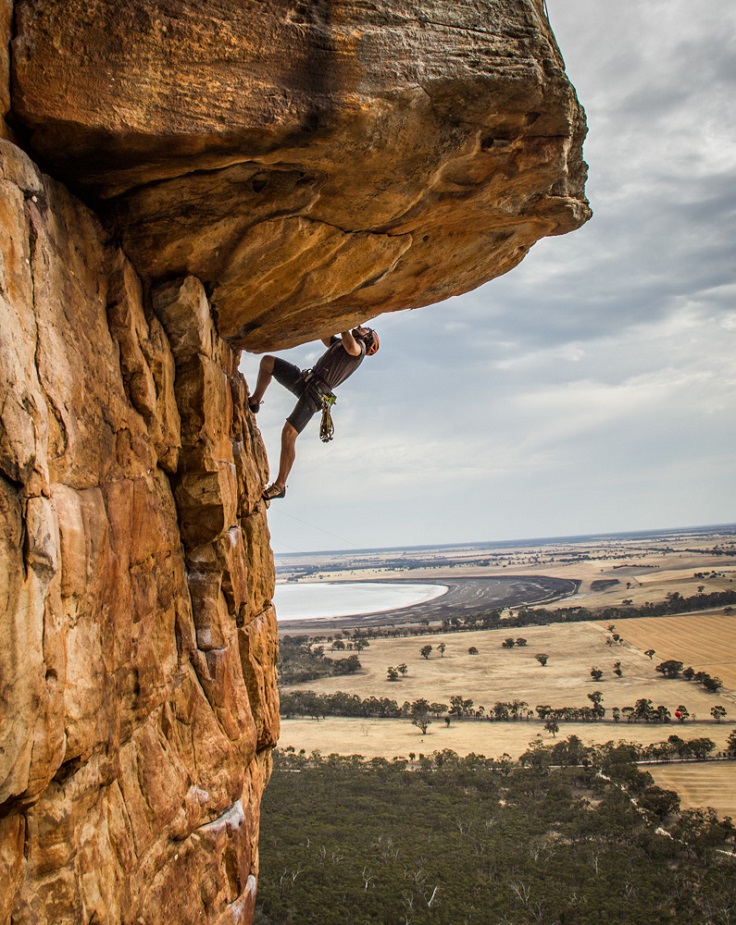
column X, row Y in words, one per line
column 326, row 426
column 324, row 398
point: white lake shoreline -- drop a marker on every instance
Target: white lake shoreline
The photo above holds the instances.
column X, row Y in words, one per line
column 326, row 600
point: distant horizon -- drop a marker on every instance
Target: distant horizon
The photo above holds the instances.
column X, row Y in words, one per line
column 520, row 541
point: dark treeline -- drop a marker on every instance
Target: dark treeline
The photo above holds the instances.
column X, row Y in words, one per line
column 301, row 659
column 320, row 705
column 674, row 604
column 311, row 703
column 441, row 840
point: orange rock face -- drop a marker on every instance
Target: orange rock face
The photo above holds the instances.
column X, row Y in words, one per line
column 246, row 173
column 6, row 14
column 396, row 152
column 139, row 644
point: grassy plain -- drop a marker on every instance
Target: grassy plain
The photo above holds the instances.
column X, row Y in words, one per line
column 706, row 641
column 610, row 573
column 497, row 673
column 507, row 674
column 710, row 784
column 395, row 737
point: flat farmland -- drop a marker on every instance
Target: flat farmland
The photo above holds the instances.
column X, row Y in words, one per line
column 608, row 572
column 707, row 641
column 710, row 784
column 389, row 738
column 502, row 674
column 496, row 673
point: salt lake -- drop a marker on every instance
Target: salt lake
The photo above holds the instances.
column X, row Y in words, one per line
column 321, row 601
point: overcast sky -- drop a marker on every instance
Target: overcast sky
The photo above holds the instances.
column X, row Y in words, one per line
column 593, row 388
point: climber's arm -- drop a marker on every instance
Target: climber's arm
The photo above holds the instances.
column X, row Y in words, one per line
column 350, row 343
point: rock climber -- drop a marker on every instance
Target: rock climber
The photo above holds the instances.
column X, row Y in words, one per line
column 343, row 356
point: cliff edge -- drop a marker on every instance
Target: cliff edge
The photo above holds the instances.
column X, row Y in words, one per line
column 179, row 181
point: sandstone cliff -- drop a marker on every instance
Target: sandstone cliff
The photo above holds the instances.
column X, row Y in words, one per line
column 397, row 152
column 217, row 175
column 138, row 638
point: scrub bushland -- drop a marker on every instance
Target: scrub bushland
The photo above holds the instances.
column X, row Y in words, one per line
column 570, row 835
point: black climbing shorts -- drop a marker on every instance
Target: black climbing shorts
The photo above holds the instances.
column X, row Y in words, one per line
column 290, row 377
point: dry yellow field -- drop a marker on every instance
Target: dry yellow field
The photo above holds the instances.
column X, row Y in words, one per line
column 706, row 641
column 507, row 674
column 391, row 737
column 642, row 572
column 502, row 674
column 711, row 784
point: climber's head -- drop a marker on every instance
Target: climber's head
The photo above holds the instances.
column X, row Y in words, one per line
column 369, row 338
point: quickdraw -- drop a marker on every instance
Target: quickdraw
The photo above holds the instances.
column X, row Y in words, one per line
column 326, row 426
column 324, row 398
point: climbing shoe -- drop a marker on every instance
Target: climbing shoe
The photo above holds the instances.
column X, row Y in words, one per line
column 254, row 406
column 273, row 492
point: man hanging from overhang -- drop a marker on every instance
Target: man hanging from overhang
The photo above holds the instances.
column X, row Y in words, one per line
column 313, row 389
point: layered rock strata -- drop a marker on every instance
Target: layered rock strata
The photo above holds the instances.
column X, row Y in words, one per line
column 138, row 638
column 397, row 152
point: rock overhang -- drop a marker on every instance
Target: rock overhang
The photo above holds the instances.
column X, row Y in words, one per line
column 314, row 164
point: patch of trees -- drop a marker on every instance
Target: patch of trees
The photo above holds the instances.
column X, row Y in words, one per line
column 510, row 711
column 318, row 706
column 674, row 669
column 394, row 674
column 616, row 758
column 717, row 551
column 302, row 658
column 602, row 584
column 461, row 707
column 572, row 834
column 674, row 603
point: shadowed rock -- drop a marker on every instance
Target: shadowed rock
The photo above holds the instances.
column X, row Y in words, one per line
column 312, row 163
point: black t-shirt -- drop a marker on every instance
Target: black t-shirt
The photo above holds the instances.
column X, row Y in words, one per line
column 336, row 364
